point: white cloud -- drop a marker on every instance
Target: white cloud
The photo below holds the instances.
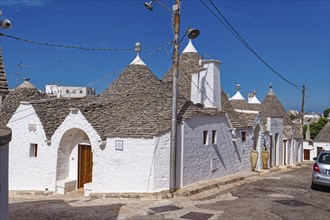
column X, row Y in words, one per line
column 24, row 3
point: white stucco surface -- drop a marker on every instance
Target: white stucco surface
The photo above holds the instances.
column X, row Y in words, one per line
column 230, row 157
column 161, row 161
column 28, row 172
column 127, row 170
column 205, row 85
column 74, row 131
column 275, row 127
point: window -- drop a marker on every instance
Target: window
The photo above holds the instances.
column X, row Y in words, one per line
column 80, row 91
column 67, row 91
column 214, row 137
column 33, row 150
column 243, row 135
column 205, row 138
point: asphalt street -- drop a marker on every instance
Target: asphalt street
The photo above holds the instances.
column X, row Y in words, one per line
column 284, row 194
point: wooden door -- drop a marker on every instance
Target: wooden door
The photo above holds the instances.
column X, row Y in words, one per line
column 85, row 165
column 307, row 154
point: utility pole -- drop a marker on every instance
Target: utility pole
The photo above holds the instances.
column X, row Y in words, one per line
column 176, row 14
column 302, row 109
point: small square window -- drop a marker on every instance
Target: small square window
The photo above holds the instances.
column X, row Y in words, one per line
column 243, row 135
column 67, row 91
column 80, row 91
column 206, row 138
column 33, row 150
column 214, row 137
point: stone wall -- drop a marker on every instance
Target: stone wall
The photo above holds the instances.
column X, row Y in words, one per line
column 208, row 161
column 28, row 171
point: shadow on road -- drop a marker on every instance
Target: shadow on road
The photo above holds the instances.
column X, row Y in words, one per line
column 59, row 209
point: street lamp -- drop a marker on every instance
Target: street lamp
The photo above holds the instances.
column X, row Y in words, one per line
column 192, row 33
column 5, row 24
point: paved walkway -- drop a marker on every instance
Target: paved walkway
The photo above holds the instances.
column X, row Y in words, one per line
column 75, row 206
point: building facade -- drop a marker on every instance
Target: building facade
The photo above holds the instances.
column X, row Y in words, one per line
column 69, row 91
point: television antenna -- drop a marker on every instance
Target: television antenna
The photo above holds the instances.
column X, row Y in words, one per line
column 20, row 66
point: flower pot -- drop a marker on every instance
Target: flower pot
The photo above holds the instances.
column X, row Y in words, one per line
column 265, row 158
column 254, row 158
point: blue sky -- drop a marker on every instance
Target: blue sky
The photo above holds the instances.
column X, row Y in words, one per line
column 292, row 36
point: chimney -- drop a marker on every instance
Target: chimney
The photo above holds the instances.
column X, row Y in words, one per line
column 205, row 85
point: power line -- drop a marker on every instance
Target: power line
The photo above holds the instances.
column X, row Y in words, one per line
column 77, row 47
column 112, row 73
column 241, row 39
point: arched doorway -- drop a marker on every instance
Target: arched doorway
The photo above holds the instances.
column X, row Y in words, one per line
column 74, row 160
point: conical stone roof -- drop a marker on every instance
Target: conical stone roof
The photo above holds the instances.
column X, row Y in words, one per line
column 3, row 80
column 188, row 64
column 272, row 107
column 12, row 101
column 324, row 134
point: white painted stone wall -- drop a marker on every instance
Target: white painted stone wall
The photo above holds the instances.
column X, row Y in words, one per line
column 25, row 172
column 205, row 85
column 161, row 161
column 309, row 146
column 197, row 158
column 275, row 126
column 323, row 145
column 75, row 130
column 127, row 170
column 260, row 147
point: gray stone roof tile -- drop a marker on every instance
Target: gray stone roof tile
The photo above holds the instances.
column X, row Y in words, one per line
column 3, row 80
column 12, row 101
column 324, row 134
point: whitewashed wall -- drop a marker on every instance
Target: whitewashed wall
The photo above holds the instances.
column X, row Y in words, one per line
column 197, row 158
column 323, row 145
column 275, row 126
column 161, row 161
column 127, row 170
column 74, row 130
column 25, row 172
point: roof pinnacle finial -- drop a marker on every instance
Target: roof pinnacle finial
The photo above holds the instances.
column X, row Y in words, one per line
column 238, row 87
column 190, row 48
column 137, row 60
column 138, row 47
column 271, row 89
column 254, row 93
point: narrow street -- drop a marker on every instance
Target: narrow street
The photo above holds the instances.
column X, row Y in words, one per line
column 284, row 194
